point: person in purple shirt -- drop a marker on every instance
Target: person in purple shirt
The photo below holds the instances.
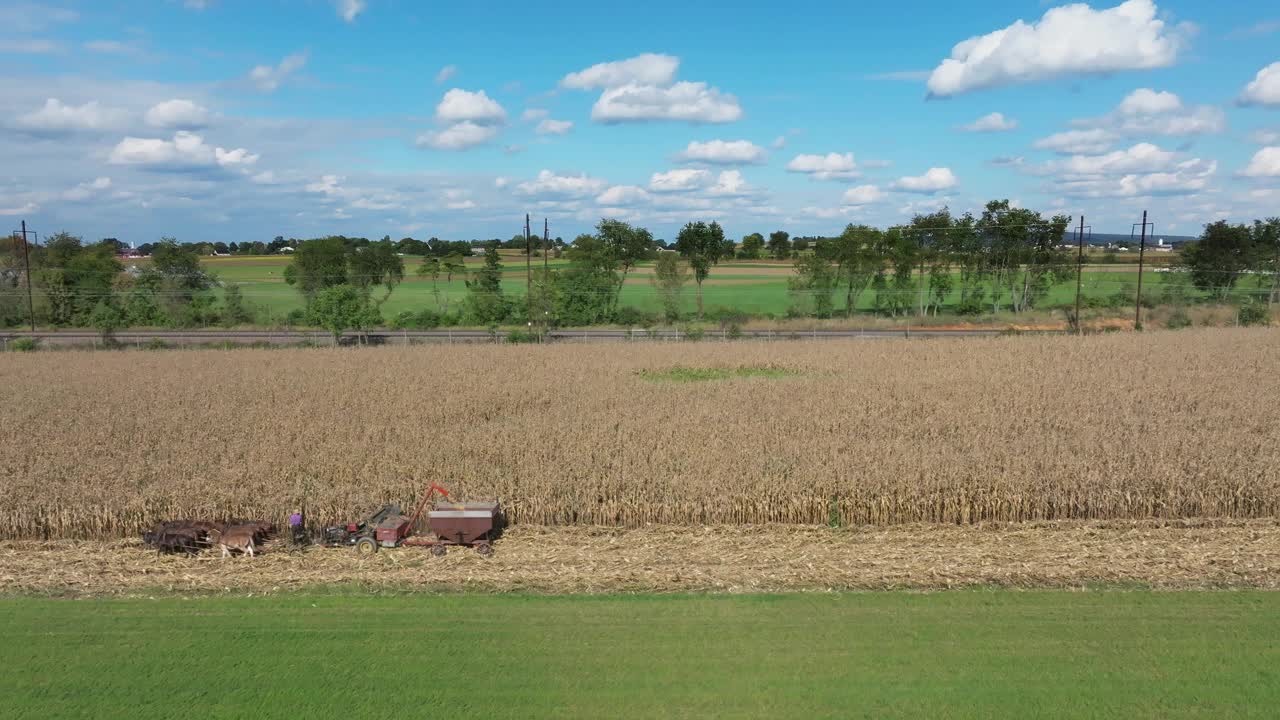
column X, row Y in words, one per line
column 296, row 530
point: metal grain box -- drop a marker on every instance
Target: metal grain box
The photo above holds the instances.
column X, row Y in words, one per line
column 463, row 523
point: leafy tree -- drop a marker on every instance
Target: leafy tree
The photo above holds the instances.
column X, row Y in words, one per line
column 1022, row 256
column 628, row 245
column 179, row 270
column 812, row 287
column 430, row 268
column 859, row 254
column 74, row 278
column 115, row 245
column 316, row 265
column 234, row 311
column 339, row 308
column 669, row 276
column 106, row 318
column 377, row 264
column 587, row 287
column 485, row 302
column 752, row 246
column 799, row 245
column 454, row 265
column 1222, row 254
column 779, row 245
column 703, row 246
column 1266, row 241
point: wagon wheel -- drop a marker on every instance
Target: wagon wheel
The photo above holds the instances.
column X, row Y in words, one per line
column 439, row 550
column 366, row 546
column 485, row 549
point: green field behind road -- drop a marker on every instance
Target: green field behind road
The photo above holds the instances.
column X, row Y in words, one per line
column 882, row 655
column 754, row 288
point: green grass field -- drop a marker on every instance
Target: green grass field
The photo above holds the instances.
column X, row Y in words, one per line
column 755, row 288
column 971, row 654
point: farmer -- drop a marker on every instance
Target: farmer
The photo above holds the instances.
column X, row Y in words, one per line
column 296, row 531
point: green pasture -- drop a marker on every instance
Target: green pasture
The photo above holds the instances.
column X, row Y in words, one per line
column 964, row 654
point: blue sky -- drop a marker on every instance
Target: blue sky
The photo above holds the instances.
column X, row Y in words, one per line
column 237, row 120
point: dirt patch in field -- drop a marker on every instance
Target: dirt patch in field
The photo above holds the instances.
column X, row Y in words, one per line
column 1165, row 555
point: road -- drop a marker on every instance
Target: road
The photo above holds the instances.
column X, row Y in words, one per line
column 386, row 337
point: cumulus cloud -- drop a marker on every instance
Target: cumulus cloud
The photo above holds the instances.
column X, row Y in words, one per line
column 445, row 73
column 643, row 88
column 1265, row 163
column 554, row 127
column 458, row 136
column 721, row 152
column 459, row 105
column 1072, row 39
column 934, row 180
column 730, row 183
column 646, row 69
column 348, row 10
column 1265, row 88
column 185, row 151
column 86, row 190
column 994, row 122
column 531, row 114
column 1265, row 136
column 1148, row 112
column 25, row 209
column 268, row 78
column 832, row 166
column 1074, row 142
column 679, row 180
column 623, row 196
column 779, row 142
column 1143, row 169
column 550, row 184
column 111, row 47
column 693, row 102
column 58, row 117
column 177, row 114
column 863, row 195
column 1143, row 157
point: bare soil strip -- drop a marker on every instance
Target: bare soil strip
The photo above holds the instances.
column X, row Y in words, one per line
column 1162, row 555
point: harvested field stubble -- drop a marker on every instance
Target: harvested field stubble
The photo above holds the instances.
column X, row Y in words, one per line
column 1158, row 554
column 1165, row 425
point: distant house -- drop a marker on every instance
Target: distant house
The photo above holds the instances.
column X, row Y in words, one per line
column 285, row 249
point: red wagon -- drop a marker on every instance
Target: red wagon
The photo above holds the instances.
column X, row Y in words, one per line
column 474, row 524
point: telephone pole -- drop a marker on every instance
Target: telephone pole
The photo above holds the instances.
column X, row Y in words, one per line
column 26, row 259
column 1079, row 270
column 546, row 276
column 528, row 274
column 1142, row 251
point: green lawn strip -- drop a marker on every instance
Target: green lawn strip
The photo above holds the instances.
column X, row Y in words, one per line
column 1110, row 654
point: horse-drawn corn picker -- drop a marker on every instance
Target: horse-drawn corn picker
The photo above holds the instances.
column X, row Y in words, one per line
column 474, row 524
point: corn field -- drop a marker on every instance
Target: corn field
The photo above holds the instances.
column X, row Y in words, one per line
column 1164, row 425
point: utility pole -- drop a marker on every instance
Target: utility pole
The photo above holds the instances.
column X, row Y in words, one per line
column 1079, row 270
column 546, row 276
column 1142, row 251
column 26, row 259
column 528, row 274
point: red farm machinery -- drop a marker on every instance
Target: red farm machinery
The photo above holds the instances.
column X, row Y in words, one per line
column 473, row 524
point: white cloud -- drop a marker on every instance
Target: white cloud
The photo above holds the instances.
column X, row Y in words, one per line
column 461, row 105
column 266, row 177
column 56, row 116
column 730, row 183
column 994, row 122
column 1265, row 163
column 693, row 102
column 1265, row 88
column 720, row 152
column 1141, row 158
column 445, row 73
column 565, row 186
column 268, row 78
column 1148, row 112
column 623, row 196
column 185, row 151
column 646, row 69
column 31, row 17
column 554, row 127
column 458, row 136
column 531, row 114
column 329, row 185
column 26, row 209
column 1141, row 170
column 86, row 190
column 1074, row 142
column 779, row 142
column 501, row 182
column 1265, row 136
column 180, row 114
column 30, row 47
column 863, row 195
column 1071, row 39
column 679, row 180
column 349, row 9
column 1145, row 101
column 832, row 166
column 113, row 47
column 934, row 180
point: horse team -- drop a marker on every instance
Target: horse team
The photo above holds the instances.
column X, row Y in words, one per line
column 189, row 537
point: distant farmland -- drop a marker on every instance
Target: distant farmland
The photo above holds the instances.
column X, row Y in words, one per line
column 1164, row 425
